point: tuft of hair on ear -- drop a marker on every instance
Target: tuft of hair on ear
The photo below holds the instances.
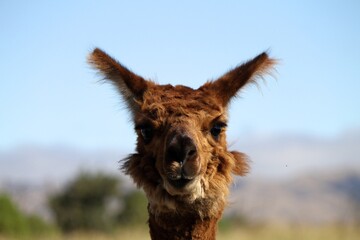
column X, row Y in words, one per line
column 130, row 85
column 228, row 85
column 241, row 166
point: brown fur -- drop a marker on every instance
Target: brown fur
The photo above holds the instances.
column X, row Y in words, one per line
column 184, row 166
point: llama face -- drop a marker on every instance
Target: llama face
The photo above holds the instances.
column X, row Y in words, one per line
column 181, row 155
column 181, row 130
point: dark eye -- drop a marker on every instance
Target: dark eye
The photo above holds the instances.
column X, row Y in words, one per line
column 146, row 132
column 216, row 129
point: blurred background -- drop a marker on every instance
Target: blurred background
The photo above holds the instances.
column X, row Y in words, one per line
column 62, row 132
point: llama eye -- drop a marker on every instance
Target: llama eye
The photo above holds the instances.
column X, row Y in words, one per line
column 146, row 133
column 216, row 129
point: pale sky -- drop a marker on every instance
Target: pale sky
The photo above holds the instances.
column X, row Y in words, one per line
column 49, row 96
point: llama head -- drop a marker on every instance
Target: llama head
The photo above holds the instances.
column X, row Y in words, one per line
column 181, row 157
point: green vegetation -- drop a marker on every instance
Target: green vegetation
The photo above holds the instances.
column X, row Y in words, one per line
column 15, row 223
column 96, row 202
column 135, row 209
column 89, row 202
column 12, row 221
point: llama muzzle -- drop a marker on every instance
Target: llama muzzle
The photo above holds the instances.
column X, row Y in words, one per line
column 181, row 161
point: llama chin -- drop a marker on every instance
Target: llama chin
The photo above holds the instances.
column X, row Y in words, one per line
column 192, row 190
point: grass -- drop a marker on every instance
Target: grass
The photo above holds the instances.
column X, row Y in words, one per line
column 241, row 233
column 292, row 233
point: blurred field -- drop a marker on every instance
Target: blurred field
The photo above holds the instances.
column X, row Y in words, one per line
column 292, row 233
column 87, row 213
column 243, row 233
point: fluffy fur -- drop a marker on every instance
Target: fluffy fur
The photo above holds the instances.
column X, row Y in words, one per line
column 182, row 161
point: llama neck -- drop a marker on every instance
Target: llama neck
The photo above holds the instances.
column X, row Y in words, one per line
column 173, row 226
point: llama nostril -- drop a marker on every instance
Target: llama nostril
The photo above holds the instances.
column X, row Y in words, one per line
column 191, row 152
column 173, row 153
column 180, row 148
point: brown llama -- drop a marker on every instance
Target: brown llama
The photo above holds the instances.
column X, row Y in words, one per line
column 182, row 161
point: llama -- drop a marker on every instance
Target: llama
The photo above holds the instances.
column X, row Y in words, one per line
column 182, row 161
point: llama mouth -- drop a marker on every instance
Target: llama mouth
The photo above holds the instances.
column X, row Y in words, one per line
column 179, row 183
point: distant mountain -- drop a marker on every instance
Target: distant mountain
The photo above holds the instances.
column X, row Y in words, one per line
column 315, row 198
column 36, row 165
column 288, row 155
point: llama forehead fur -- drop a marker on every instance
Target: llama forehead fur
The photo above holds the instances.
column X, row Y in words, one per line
column 182, row 161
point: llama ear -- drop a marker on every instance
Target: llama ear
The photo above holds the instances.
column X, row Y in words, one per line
column 130, row 85
column 230, row 83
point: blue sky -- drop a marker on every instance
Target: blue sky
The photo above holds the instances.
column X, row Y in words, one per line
column 49, row 95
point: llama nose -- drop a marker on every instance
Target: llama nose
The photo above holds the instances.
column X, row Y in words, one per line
column 180, row 148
